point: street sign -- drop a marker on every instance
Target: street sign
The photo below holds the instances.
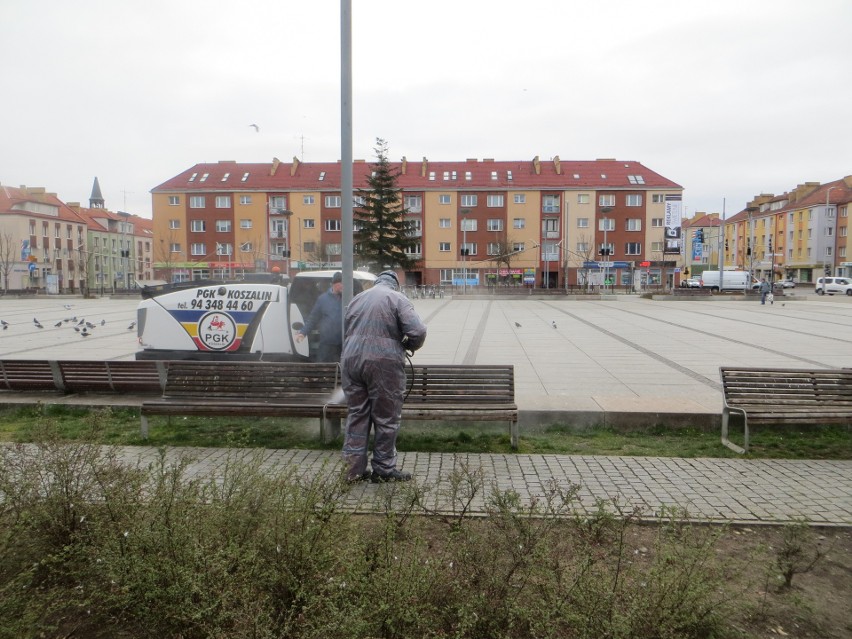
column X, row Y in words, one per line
column 606, row 264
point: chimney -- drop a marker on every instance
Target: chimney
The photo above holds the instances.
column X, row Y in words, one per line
column 557, row 165
column 295, row 166
column 274, row 168
column 537, row 165
column 424, row 166
column 404, row 165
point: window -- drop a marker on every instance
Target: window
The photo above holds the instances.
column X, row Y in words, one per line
column 444, row 247
column 245, row 224
column 223, row 226
column 333, row 249
column 495, row 201
column 493, row 175
column 468, row 249
column 636, row 179
column 196, row 202
column 414, row 203
column 310, row 247
column 246, row 247
column 582, row 247
column 432, row 176
column 582, row 222
column 198, row 249
column 245, row 177
column 332, row 225
column 174, row 200
column 658, row 198
column 307, row 199
column 657, row 222
column 633, row 248
column 493, row 248
column 415, row 249
column 606, row 200
column 520, row 198
column 634, row 199
column 468, row 224
column 359, row 201
column 197, row 226
column 582, row 198
column 444, row 223
column 519, row 223
column 468, row 200
column 224, row 248
column 606, row 224
column 829, row 230
column 444, row 199
column 828, row 251
column 843, row 231
column 517, row 247
column 656, row 247
column 829, row 212
column 321, row 176
column 245, row 199
column 550, row 204
column 174, row 247
column 495, row 225
column 634, row 225
column 332, row 201
column 174, row 224
column 308, row 223
column 841, row 252
column 223, row 201
column 550, row 226
column 204, row 177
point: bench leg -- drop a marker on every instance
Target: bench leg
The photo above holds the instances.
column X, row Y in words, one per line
column 514, row 434
column 727, row 442
column 143, row 429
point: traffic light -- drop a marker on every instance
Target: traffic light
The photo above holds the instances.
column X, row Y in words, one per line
column 726, row 245
column 827, row 271
column 748, row 246
column 770, row 244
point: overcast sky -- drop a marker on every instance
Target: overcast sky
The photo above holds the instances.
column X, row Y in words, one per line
column 729, row 98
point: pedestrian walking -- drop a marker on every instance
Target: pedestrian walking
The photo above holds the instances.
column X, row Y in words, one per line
column 327, row 317
column 764, row 290
column 380, row 326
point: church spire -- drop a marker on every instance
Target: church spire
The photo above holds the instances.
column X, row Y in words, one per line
column 96, row 200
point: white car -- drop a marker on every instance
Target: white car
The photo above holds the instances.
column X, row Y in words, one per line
column 832, row 285
column 692, row 282
column 785, row 284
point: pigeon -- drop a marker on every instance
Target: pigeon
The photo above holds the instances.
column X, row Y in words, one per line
column 81, row 322
column 39, row 325
column 85, row 334
column 58, row 324
column 4, row 323
column 553, row 324
column 90, row 325
column 103, row 322
column 256, row 128
column 67, row 307
column 35, row 321
column 518, row 325
column 77, row 328
column 132, row 326
column 5, row 326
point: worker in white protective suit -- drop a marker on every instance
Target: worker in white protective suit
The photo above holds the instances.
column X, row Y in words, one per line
column 379, row 325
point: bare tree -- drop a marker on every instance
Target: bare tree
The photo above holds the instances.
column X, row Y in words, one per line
column 316, row 253
column 585, row 254
column 82, row 266
column 8, row 255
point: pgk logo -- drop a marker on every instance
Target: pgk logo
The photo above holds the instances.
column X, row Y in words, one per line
column 217, row 331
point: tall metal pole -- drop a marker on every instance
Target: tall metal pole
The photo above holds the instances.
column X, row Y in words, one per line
column 606, row 248
column 827, row 193
column 719, row 246
column 346, row 147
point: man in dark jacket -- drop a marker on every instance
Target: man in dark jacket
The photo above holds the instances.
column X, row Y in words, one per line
column 327, row 317
column 380, row 325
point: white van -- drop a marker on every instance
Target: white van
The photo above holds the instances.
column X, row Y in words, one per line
column 732, row 281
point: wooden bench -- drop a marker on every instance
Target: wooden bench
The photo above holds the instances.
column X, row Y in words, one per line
column 459, row 392
column 278, row 389
column 784, row 396
column 83, row 376
column 256, row 389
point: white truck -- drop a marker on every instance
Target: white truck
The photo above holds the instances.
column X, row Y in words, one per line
column 252, row 319
column 731, row 281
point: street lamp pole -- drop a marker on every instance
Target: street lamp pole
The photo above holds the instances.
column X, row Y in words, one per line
column 606, row 249
column 825, row 272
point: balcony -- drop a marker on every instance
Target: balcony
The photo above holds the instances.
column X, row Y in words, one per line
column 551, row 235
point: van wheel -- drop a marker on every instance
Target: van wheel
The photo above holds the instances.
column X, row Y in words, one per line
column 849, row 291
column 820, row 292
column 714, row 289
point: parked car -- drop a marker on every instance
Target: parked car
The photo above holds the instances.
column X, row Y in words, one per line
column 691, row 282
column 832, row 285
column 785, row 284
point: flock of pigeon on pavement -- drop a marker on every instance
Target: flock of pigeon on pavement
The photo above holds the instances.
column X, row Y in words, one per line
column 81, row 326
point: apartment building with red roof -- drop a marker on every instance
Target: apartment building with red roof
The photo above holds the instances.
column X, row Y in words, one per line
column 553, row 217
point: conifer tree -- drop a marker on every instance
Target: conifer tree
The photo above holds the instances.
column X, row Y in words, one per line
column 382, row 232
